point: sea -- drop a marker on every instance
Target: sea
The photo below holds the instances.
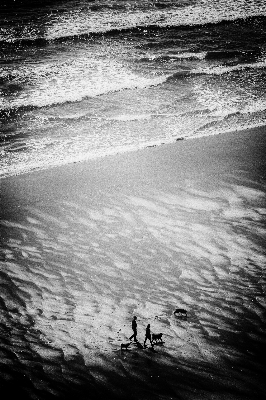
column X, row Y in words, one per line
column 81, row 254
column 85, row 79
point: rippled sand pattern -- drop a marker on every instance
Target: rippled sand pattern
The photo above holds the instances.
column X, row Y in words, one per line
column 73, row 275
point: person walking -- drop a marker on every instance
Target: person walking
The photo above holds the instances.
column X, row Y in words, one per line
column 148, row 335
column 134, row 328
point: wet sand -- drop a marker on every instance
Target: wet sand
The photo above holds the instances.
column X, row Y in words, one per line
column 85, row 247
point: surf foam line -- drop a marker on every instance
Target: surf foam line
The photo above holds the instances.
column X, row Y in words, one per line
column 153, row 29
column 32, row 166
column 15, row 170
column 206, row 55
column 171, row 57
column 10, row 110
column 217, row 70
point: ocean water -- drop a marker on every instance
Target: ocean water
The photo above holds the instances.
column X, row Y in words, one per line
column 82, row 79
column 85, row 79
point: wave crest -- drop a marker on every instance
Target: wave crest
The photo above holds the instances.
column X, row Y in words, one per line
column 216, row 70
column 78, row 29
column 73, row 81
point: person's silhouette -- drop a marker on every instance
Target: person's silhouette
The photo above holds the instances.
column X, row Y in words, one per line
column 134, row 328
column 148, row 335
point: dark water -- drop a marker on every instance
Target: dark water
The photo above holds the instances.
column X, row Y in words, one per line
column 82, row 79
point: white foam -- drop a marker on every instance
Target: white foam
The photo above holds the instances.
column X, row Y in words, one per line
column 221, row 69
column 77, row 23
column 72, row 80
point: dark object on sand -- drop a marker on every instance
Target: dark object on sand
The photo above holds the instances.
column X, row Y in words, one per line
column 134, row 328
column 157, row 337
column 148, row 335
column 125, row 346
column 181, row 312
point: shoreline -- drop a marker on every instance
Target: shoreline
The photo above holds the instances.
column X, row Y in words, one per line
column 156, row 147
column 128, row 151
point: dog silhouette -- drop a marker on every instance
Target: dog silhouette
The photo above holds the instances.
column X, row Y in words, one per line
column 157, row 337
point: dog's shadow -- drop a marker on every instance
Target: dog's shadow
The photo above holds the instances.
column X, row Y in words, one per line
column 125, row 346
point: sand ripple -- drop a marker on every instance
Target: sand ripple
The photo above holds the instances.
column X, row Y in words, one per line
column 72, row 278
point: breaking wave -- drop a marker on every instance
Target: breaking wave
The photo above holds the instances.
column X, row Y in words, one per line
column 126, row 25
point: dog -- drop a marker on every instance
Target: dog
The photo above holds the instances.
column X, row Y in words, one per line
column 157, row 337
column 181, row 312
column 125, row 346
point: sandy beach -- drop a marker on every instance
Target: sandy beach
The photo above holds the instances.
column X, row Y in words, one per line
column 86, row 246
